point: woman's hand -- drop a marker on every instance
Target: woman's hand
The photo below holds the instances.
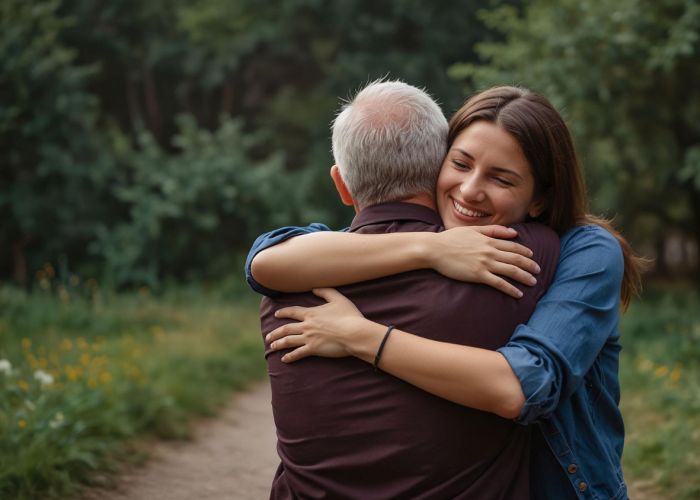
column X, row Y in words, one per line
column 477, row 254
column 325, row 330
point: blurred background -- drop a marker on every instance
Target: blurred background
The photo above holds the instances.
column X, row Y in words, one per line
column 146, row 144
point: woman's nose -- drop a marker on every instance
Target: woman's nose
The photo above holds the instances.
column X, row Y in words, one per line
column 471, row 189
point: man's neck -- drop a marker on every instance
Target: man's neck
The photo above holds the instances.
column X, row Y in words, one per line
column 422, row 199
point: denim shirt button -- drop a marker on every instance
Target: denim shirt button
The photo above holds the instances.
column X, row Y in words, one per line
column 572, row 468
column 582, row 486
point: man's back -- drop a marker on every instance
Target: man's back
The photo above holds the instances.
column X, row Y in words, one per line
column 346, row 431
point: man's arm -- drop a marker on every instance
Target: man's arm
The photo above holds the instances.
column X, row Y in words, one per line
column 579, row 313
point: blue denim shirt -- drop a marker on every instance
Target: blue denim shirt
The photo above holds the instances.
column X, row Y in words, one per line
column 566, row 358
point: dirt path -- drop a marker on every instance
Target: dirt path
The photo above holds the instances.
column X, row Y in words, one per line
column 230, row 457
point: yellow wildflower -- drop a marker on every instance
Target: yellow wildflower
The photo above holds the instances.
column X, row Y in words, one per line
column 22, row 423
column 675, row 375
column 105, row 377
column 85, row 359
column 49, row 269
column 661, row 371
column 67, row 345
column 22, row 384
column 26, row 344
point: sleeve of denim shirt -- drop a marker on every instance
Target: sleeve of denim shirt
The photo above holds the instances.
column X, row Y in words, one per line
column 571, row 323
column 270, row 239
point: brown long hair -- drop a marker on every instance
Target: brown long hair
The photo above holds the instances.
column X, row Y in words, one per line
column 546, row 142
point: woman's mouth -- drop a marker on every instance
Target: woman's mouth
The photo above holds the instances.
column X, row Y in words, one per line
column 467, row 212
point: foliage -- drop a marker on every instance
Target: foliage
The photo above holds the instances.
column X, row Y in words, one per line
column 152, row 140
column 661, row 395
column 621, row 73
column 46, row 123
column 82, row 373
column 191, row 206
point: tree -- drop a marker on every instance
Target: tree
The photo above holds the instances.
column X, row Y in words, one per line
column 50, row 163
column 622, row 73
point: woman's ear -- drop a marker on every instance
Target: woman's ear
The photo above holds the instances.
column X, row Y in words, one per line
column 341, row 187
column 536, row 208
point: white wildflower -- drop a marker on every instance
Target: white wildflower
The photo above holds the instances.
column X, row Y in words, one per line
column 43, row 378
column 5, row 367
column 29, row 405
column 57, row 420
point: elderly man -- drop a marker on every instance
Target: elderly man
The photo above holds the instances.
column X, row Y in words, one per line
column 346, row 430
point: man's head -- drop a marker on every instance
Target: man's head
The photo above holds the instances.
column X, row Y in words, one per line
column 389, row 142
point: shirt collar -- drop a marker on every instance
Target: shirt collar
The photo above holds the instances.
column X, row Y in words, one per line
column 394, row 211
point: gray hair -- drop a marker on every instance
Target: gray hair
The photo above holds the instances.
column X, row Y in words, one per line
column 389, row 142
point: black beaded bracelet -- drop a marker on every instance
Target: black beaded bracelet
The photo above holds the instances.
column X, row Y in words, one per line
column 381, row 348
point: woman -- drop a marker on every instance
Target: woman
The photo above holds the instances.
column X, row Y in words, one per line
column 562, row 365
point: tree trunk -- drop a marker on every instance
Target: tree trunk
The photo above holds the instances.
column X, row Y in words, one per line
column 694, row 197
column 19, row 263
column 152, row 107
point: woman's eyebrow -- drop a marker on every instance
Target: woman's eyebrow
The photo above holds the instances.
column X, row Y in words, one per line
column 459, row 150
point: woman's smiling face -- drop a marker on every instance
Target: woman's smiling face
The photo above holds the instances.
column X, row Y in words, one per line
column 485, row 179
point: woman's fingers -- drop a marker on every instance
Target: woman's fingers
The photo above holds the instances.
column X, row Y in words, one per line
column 328, row 294
column 285, row 330
column 513, row 272
column 512, row 247
column 297, row 354
column 288, row 342
column 502, row 285
column 496, row 231
column 294, row 312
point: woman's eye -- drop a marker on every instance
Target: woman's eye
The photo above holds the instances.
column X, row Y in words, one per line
column 503, row 181
column 460, row 165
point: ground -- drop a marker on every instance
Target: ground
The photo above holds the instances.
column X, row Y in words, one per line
column 230, row 457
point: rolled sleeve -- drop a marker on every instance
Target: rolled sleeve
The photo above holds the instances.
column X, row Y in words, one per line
column 572, row 322
column 270, row 239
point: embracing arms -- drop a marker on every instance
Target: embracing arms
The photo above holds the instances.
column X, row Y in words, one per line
column 473, row 377
column 321, row 258
column 544, row 362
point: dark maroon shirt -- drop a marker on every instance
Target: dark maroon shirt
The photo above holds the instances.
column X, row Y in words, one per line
column 347, row 431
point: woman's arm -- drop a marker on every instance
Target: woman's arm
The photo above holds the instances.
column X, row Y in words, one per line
column 543, row 362
column 470, row 376
column 322, row 259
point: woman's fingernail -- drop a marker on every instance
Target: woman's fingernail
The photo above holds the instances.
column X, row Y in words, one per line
column 277, row 314
column 285, row 358
column 272, row 346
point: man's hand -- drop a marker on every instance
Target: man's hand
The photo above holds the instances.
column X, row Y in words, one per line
column 478, row 254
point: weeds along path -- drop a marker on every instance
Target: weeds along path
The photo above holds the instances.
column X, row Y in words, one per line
column 230, row 457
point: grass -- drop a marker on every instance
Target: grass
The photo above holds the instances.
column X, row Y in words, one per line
column 82, row 375
column 660, row 377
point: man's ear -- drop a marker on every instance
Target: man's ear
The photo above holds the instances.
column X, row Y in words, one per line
column 343, row 190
